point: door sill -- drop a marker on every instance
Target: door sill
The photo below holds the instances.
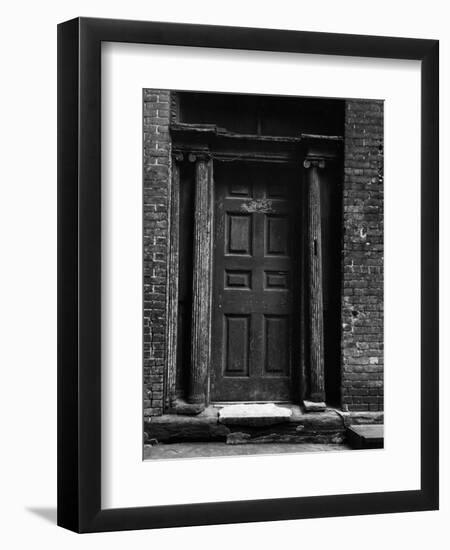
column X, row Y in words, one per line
column 224, row 403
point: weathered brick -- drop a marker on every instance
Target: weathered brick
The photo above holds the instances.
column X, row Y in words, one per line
column 156, row 180
column 362, row 282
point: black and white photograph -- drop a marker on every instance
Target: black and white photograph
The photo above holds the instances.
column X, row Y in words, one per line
column 262, row 274
column 225, row 266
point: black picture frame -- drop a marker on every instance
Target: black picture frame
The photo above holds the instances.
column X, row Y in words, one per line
column 79, row 274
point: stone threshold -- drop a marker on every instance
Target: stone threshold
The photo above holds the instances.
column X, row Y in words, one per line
column 268, row 423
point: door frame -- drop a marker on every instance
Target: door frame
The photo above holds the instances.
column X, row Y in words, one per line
column 203, row 147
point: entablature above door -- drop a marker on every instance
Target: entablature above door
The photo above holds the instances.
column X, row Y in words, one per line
column 222, row 144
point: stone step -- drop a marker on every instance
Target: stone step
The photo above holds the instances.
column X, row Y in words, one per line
column 266, row 414
column 366, row 436
column 253, row 422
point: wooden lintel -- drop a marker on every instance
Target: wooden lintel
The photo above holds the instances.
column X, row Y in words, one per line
column 321, row 137
column 202, row 129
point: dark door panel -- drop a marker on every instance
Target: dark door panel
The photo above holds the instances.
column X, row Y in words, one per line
column 256, row 277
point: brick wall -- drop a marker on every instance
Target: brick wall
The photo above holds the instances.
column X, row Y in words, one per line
column 157, row 168
column 362, row 300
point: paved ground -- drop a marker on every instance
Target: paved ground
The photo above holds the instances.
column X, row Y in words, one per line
column 196, row 450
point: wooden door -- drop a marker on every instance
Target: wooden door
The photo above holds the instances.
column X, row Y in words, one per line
column 254, row 313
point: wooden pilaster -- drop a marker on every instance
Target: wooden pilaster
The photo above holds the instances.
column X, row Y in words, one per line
column 172, row 281
column 201, row 306
column 314, row 251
